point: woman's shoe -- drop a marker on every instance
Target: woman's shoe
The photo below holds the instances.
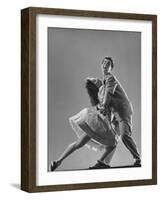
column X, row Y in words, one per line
column 53, row 166
column 100, row 165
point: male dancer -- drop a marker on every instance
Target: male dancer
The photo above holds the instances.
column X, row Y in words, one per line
column 113, row 97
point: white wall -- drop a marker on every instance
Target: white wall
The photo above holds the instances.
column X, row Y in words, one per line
column 10, row 97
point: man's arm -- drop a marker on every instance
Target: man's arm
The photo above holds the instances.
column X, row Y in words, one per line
column 110, row 88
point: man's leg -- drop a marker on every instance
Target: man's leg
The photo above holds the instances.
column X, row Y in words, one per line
column 126, row 135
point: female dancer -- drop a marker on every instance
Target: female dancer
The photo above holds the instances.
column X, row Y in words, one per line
column 92, row 128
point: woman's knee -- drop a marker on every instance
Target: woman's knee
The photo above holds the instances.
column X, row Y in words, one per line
column 77, row 144
column 110, row 147
column 82, row 141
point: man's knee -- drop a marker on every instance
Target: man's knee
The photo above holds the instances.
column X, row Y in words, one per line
column 124, row 137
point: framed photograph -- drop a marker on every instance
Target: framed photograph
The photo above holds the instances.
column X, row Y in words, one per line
column 88, row 99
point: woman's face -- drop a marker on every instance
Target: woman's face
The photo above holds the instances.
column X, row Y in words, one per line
column 96, row 81
column 106, row 66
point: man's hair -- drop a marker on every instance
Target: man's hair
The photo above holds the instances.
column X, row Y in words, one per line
column 92, row 90
column 110, row 59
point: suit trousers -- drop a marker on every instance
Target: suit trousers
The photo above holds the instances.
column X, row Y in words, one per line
column 125, row 129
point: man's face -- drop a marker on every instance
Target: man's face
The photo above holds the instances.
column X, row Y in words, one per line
column 106, row 66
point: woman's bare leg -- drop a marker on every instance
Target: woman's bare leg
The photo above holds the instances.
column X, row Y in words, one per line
column 101, row 163
column 73, row 147
column 108, row 151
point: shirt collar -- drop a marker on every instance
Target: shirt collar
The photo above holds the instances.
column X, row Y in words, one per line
column 106, row 77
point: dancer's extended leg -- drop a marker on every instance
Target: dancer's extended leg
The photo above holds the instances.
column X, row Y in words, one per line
column 70, row 149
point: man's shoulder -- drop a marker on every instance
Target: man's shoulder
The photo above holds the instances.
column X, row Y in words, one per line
column 109, row 75
column 110, row 78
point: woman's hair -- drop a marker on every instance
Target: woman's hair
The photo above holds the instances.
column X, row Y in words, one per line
column 92, row 90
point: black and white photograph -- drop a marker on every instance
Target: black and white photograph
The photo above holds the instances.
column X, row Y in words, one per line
column 88, row 99
column 94, row 99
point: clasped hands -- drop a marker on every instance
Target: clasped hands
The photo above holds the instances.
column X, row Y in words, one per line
column 102, row 110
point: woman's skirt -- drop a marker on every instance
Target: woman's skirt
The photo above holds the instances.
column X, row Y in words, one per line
column 89, row 121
